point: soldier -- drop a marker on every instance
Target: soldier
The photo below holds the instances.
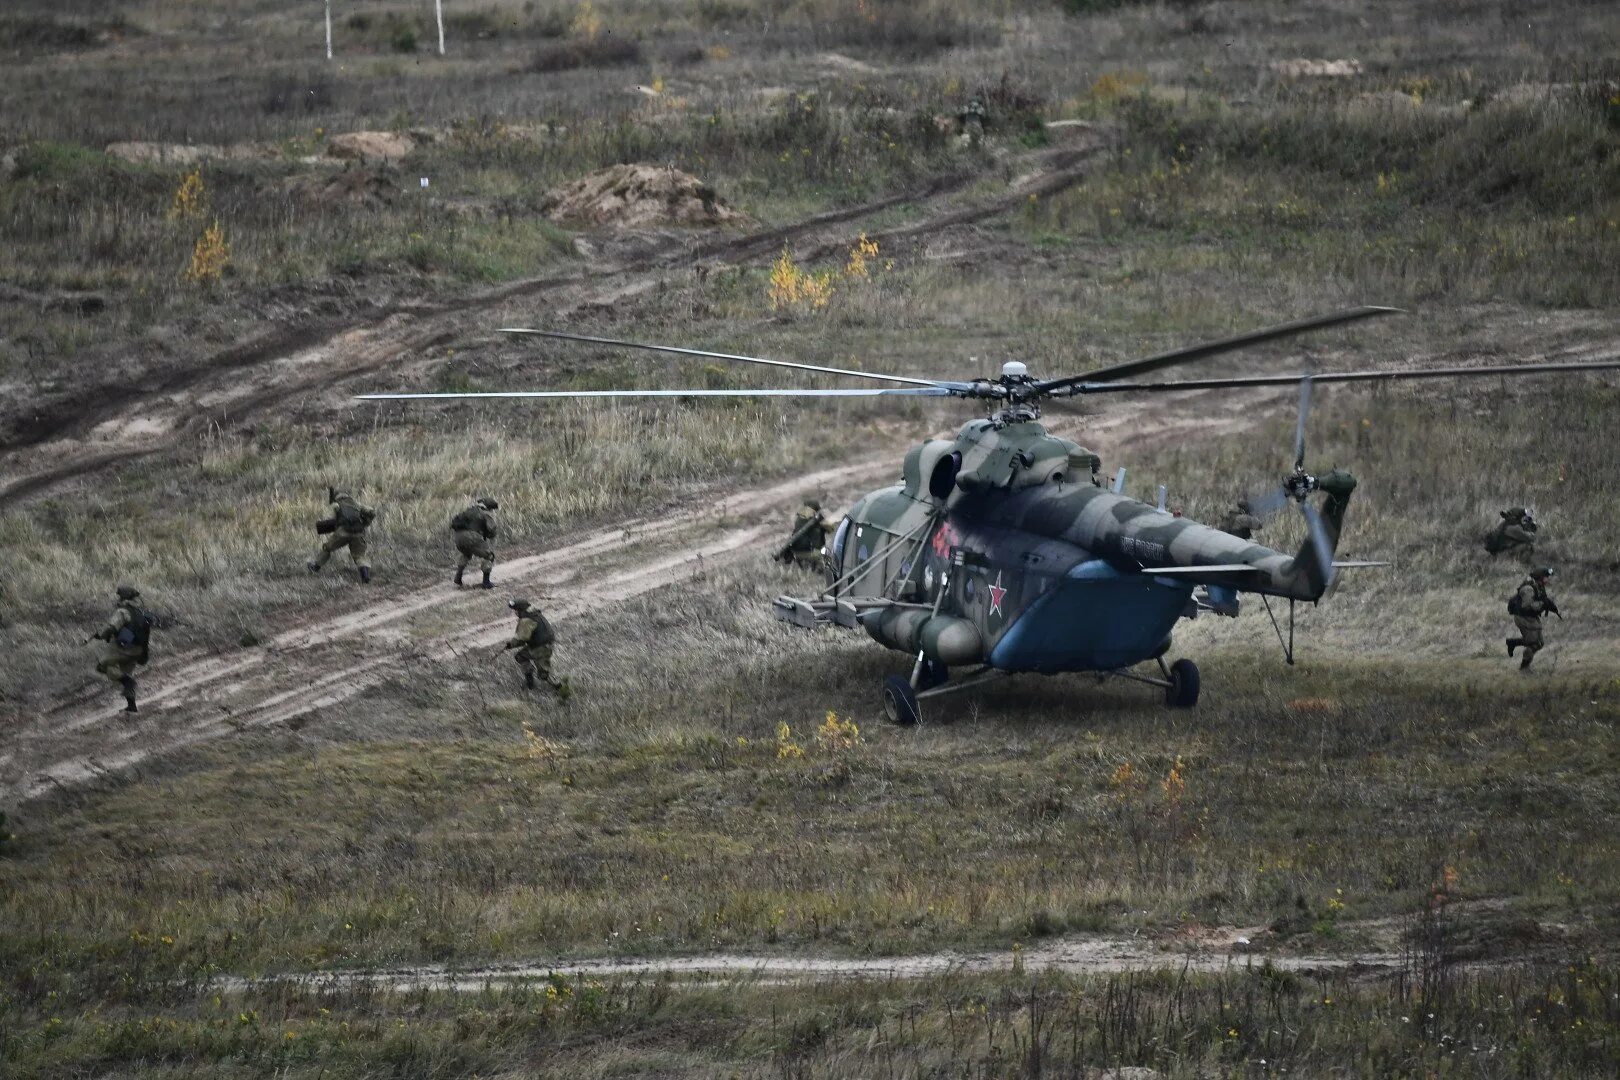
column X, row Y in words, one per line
column 973, row 119
column 345, row 528
column 474, row 528
column 1240, row 521
column 1515, row 533
column 533, row 639
column 127, row 634
column 809, row 537
column 1527, row 607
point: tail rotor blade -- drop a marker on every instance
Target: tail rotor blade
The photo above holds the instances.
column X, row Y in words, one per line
column 1268, row 502
column 1299, row 430
column 1321, row 546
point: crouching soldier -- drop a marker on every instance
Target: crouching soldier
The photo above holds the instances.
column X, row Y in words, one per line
column 1527, row 606
column 127, row 634
column 1514, row 534
column 533, row 639
column 809, row 536
column 474, row 529
column 346, row 528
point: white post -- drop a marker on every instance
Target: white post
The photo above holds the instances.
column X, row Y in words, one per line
column 329, row 29
column 438, row 13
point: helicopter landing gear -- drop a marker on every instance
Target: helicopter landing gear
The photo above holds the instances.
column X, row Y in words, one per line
column 932, row 674
column 1181, row 686
column 900, row 701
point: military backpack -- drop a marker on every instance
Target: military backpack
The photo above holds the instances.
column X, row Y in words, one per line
column 137, row 633
column 351, row 518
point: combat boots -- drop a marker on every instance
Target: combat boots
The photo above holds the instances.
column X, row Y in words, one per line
column 128, row 683
column 487, row 583
column 365, row 575
column 528, row 680
column 314, row 567
column 1514, row 643
column 459, row 570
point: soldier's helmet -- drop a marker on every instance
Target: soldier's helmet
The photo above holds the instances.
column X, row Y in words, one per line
column 334, row 495
column 1243, row 506
column 813, row 504
column 519, row 604
column 489, row 504
column 1542, row 573
column 128, row 592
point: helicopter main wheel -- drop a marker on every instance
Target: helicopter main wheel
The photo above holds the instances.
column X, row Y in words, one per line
column 900, row 701
column 1182, row 693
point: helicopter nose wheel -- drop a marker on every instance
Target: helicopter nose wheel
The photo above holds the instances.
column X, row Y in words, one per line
column 1182, row 691
column 900, row 701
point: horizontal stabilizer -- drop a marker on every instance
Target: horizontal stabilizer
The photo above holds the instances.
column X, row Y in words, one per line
column 1220, row 568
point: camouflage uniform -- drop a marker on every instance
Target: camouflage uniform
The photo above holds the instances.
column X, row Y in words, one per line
column 808, row 538
column 126, row 647
column 474, row 529
column 973, row 119
column 1239, row 522
column 350, row 521
column 534, row 639
column 1533, row 603
column 1515, row 533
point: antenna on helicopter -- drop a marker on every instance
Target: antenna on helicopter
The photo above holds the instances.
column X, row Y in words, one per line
column 1164, row 495
column 1119, row 481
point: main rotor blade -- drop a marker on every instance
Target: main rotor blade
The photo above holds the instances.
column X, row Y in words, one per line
column 558, row 334
column 1214, row 348
column 927, row 391
column 1348, row 376
column 1299, row 429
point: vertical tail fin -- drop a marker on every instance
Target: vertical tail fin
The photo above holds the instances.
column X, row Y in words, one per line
column 1311, row 572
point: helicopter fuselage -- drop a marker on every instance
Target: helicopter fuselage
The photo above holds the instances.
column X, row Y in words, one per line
column 1001, row 548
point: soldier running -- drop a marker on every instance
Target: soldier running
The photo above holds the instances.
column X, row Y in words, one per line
column 474, row 529
column 534, row 639
column 1514, row 534
column 1240, row 521
column 809, row 537
column 345, row 528
column 1527, row 607
column 127, row 634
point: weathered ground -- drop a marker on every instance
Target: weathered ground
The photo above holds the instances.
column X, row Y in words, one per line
column 340, row 840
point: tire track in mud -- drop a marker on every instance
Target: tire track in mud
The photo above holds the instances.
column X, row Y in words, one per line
column 110, row 425
column 315, row 666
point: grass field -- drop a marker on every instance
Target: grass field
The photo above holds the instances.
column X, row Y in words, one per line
column 1402, row 791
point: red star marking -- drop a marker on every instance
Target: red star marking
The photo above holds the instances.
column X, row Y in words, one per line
column 997, row 595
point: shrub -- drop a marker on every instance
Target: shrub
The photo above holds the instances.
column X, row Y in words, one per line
column 604, row 50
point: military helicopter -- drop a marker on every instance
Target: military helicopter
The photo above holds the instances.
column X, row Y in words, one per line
column 1002, row 551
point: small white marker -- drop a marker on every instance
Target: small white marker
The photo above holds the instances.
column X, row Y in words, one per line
column 424, row 181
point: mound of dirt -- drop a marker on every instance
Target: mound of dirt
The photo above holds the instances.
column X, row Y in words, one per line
column 357, row 185
column 370, row 146
column 637, row 196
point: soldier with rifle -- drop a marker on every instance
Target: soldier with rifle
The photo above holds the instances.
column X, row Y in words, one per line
column 346, row 528
column 810, row 529
column 1527, row 606
column 127, row 634
column 534, row 640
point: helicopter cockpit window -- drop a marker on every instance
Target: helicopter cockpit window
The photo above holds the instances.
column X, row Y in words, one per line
column 943, row 478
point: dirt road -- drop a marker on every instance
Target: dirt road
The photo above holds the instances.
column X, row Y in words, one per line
column 307, row 363
column 1088, row 955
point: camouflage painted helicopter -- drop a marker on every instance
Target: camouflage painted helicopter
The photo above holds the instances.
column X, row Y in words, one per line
column 1002, row 551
